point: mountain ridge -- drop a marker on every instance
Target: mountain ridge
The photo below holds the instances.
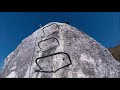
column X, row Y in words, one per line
column 81, row 56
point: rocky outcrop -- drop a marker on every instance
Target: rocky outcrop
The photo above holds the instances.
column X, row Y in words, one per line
column 59, row 50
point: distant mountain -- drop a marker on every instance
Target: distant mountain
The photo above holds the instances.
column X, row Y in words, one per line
column 0, row 75
column 59, row 50
column 115, row 52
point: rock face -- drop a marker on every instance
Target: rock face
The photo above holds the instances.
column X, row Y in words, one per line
column 59, row 50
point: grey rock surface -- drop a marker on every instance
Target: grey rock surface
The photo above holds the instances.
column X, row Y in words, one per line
column 59, row 50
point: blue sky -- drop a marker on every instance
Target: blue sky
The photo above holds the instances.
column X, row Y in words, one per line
column 15, row 26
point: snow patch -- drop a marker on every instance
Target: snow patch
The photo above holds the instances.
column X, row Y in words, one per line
column 34, row 67
column 60, row 48
column 13, row 68
column 27, row 73
column 12, row 75
column 69, row 74
column 87, row 58
column 80, row 74
column 39, row 76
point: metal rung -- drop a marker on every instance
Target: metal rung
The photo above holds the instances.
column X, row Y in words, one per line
column 46, row 40
column 40, row 69
column 50, row 25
